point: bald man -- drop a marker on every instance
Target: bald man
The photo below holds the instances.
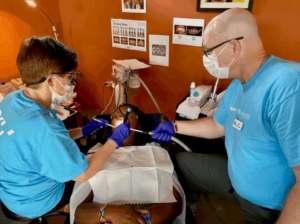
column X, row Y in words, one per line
column 259, row 117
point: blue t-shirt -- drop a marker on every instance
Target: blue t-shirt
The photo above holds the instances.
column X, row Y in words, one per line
column 37, row 156
column 262, row 132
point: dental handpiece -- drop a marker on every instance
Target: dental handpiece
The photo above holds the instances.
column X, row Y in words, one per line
column 131, row 129
column 174, row 139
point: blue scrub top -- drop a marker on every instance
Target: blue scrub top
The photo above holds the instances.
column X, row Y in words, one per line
column 37, row 156
column 262, row 132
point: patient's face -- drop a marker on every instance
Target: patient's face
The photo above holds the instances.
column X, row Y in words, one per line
column 118, row 117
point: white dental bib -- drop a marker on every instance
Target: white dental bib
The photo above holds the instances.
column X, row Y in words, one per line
column 132, row 175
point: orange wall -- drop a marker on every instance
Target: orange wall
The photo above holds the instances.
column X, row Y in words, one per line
column 18, row 21
column 86, row 27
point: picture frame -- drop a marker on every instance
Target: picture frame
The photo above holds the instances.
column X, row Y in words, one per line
column 134, row 6
column 221, row 5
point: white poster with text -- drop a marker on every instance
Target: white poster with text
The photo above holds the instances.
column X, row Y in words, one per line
column 159, row 50
column 188, row 31
column 129, row 34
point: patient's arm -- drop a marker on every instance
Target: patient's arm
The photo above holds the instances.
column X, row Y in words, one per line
column 166, row 213
column 88, row 213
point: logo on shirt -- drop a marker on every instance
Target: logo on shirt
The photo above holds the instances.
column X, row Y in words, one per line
column 232, row 109
column 239, row 113
column 8, row 132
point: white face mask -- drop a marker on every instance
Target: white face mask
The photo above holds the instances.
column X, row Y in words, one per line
column 212, row 66
column 58, row 99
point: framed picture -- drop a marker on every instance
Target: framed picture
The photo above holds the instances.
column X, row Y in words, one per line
column 134, row 6
column 220, row 5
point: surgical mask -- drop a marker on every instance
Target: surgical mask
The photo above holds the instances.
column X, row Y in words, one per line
column 58, row 99
column 212, row 66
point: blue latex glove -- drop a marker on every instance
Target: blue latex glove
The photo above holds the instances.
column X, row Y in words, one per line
column 93, row 125
column 120, row 134
column 164, row 132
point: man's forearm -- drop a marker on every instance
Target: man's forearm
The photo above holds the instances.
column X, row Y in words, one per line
column 204, row 128
column 97, row 161
column 291, row 211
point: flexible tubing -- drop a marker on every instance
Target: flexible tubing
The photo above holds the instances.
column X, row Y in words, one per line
column 149, row 93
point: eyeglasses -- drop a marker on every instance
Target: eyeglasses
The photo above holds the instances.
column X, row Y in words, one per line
column 208, row 51
column 72, row 76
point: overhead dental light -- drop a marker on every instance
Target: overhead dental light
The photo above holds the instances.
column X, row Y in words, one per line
column 33, row 4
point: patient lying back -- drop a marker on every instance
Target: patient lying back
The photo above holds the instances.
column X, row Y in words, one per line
column 89, row 212
column 132, row 211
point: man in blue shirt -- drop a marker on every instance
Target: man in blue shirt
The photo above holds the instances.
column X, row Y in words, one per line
column 259, row 117
column 37, row 154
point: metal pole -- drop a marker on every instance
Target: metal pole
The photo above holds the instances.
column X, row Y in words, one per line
column 53, row 27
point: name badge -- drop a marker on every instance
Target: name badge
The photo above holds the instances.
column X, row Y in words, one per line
column 237, row 124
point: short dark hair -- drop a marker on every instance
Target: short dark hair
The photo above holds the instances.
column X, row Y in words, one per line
column 39, row 57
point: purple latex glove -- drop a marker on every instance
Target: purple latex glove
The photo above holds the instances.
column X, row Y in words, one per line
column 164, row 132
column 120, row 134
column 93, row 125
